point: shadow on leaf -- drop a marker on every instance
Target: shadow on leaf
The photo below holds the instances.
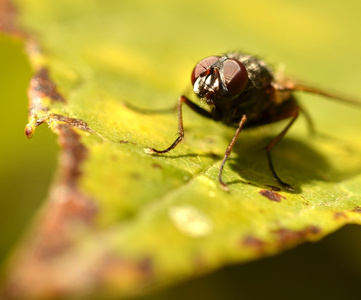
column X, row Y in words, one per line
column 296, row 162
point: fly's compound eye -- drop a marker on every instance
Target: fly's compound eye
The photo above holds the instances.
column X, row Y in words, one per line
column 235, row 76
column 202, row 66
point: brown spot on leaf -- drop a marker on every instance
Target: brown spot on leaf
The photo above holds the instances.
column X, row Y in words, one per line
column 42, row 93
column 67, row 217
column 68, row 206
column 271, row 195
column 8, row 15
column 73, row 154
column 146, row 266
column 127, row 142
column 124, row 272
column 339, row 215
column 80, row 124
column 357, row 209
column 40, row 87
column 289, row 237
column 156, row 166
column 255, row 243
column 135, row 175
column 69, row 214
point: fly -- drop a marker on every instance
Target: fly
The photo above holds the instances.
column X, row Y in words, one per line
column 242, row 92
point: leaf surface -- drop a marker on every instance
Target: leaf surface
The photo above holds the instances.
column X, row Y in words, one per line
column 119, row 221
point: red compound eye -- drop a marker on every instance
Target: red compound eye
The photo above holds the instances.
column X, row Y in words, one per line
column 235, row 75
column 202, row 66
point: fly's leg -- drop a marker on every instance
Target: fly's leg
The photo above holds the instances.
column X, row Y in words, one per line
column 294, row 114
column 151, row 111
column 229, row 150
column 197, row 109
column 311, row 125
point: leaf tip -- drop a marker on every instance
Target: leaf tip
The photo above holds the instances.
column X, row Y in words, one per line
column 29, row 131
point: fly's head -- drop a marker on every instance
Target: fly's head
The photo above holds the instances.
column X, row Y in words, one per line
column 218, row 79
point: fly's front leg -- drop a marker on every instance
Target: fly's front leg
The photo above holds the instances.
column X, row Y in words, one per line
column 197, row 109
column 229, row 150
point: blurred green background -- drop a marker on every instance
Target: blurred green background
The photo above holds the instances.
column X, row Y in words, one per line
column 26, row 166
column 320, row 41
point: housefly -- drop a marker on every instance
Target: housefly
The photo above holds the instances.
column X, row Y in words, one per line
column 242, row 91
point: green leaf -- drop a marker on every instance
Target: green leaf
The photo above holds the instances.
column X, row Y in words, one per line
column 119, row 222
